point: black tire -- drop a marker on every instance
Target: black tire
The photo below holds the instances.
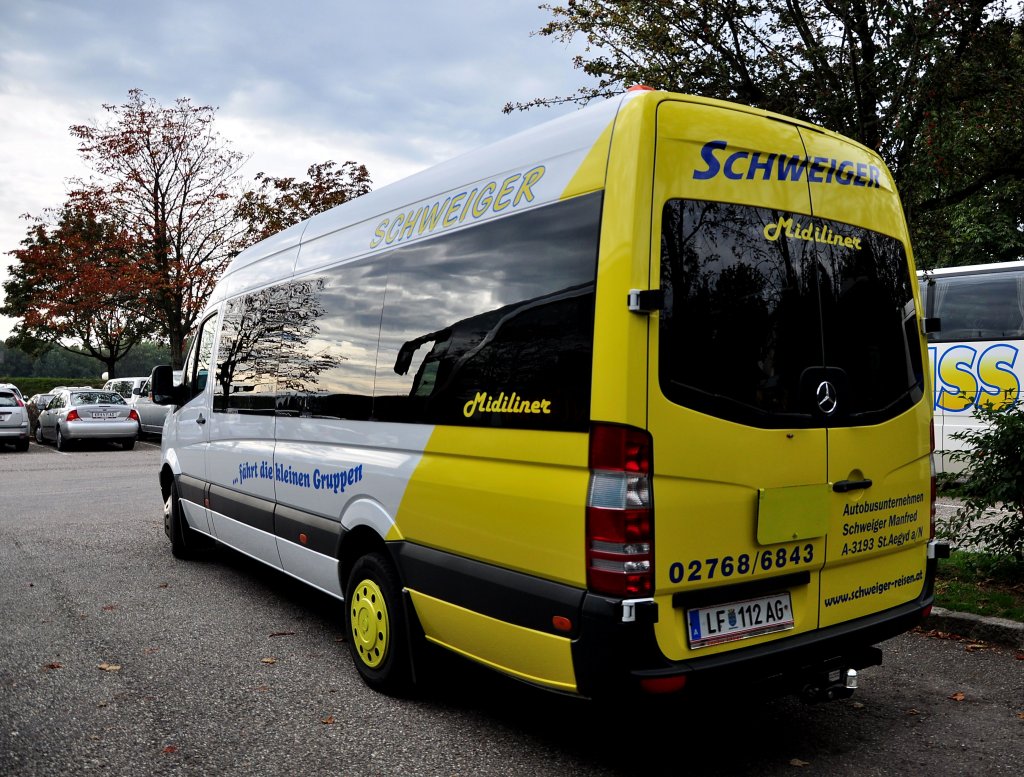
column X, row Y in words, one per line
column 128, row 444
column 377, row 629
column 185, row 542
column 39, row 435
column 63, row 444
column 21, row 445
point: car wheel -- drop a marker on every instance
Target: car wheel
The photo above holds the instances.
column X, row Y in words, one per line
column 21, row 445
column 185, row 542
column 39, row 435
column 128, row 444
column 62, row 442
column 377, row 637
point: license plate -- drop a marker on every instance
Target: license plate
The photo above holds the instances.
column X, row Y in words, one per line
column 104, row 415
column 739, row 620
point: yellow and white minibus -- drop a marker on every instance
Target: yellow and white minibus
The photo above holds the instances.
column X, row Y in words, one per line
column 634, row 401
column 975, row 350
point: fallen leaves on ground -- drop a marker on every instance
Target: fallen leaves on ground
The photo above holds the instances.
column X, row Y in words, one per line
column 283, row 634
column 798, row 762
column 170, row 749
column 54, row 665
column 958, row 696
column 328, row 720
column 268, row 660
column 105, row 667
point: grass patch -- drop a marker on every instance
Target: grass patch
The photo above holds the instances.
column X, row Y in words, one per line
column 982, row 584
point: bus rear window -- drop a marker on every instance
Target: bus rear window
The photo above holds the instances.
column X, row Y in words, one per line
column 761, row 306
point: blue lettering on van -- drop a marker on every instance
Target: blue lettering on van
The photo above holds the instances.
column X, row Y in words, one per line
column 335, row 481
column 739, row 165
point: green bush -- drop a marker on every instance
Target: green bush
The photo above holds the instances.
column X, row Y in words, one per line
column 991, row 484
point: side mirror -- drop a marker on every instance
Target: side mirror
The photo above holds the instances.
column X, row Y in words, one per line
column 162, row 386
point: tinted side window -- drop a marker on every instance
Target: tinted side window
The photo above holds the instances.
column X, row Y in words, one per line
column 978, row 307
column 330, row 343
column 197, row 363
column 493, row 325
column 248, row 350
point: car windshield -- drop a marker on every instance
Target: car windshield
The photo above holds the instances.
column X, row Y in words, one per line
column 97, row 398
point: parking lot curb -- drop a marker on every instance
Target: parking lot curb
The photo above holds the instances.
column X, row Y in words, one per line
column 1001, row 631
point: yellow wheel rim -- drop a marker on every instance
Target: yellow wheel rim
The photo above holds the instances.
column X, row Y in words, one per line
column 370, row 629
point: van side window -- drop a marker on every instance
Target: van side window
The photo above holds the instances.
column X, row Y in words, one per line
column 978, row 307
column 330, row 338
column 197, row 363
column 493, row 325
column 247, row 354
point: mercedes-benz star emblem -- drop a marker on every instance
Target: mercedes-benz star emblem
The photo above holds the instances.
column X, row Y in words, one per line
column 826, row 397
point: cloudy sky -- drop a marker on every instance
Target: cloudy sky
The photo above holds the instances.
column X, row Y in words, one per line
column 396, row 85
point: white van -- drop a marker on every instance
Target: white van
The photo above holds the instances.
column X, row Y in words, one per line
column 631, row 402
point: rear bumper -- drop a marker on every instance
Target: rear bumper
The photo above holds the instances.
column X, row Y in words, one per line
column 93, row 430
column 614, row 658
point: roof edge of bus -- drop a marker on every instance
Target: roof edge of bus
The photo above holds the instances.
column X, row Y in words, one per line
column 970, row 269
column 503, row 154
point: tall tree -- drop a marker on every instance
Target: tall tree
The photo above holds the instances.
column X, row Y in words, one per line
column 78, row 285
column 933, row 85
column 278, row 203
column 172, row 180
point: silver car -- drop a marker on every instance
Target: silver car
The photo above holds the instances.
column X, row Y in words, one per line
column 151, row 415
column 13, row 419
column 88, row 414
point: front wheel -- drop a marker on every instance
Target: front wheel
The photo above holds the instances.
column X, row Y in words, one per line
column 185, row 542
column 378, row 633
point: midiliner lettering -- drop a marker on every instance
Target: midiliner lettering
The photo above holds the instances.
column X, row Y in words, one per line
column 775, row 166
column 810, row 233
column 513, row 403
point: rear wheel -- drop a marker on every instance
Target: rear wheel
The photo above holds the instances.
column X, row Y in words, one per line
column 128, row 444
column 63, row 444
column 21, row 445
column 378, row 636
column 39, row 435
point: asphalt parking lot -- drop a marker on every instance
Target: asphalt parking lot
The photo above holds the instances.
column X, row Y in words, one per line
column 118, row 659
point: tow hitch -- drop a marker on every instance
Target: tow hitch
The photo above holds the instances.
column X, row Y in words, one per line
column 832, row 685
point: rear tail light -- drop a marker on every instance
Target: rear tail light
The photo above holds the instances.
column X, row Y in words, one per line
column 620, row 512
column 132, row 415
column 18, row 400
column 73, row 416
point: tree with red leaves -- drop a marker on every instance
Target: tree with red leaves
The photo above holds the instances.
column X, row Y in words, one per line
column 78, row 283
column 172, row 183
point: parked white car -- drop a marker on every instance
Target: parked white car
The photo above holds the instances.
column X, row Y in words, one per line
column 126, row 387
